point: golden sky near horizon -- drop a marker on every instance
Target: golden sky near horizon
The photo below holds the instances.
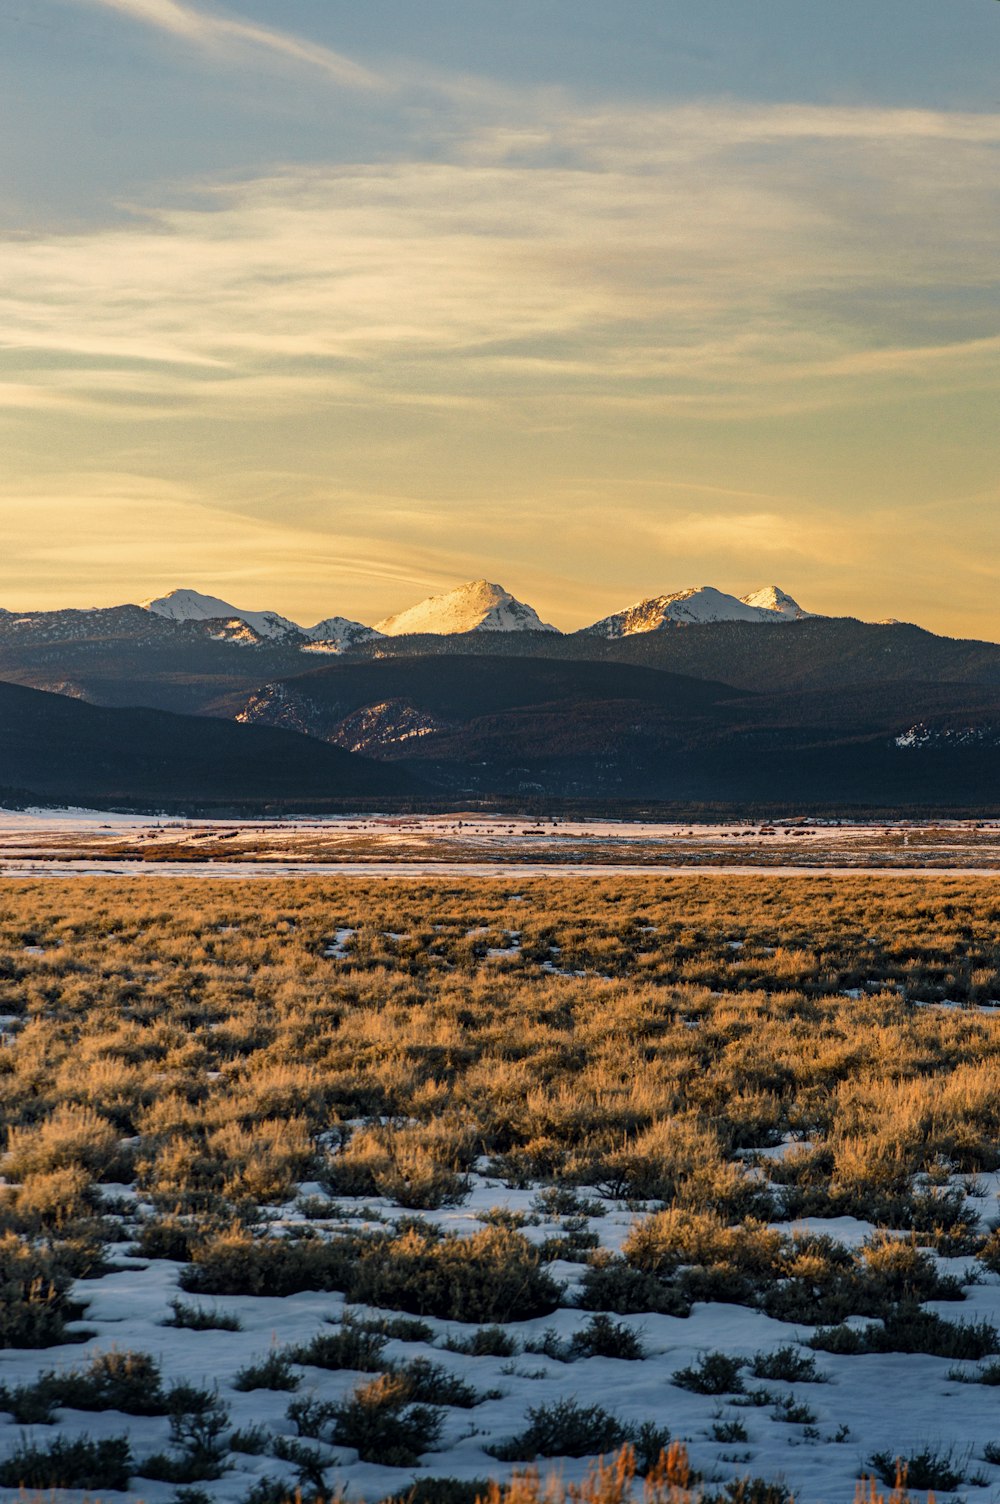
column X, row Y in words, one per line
column 417, row 323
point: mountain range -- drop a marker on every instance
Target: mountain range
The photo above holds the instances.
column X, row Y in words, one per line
column 681, row 698
column 233, row 624
column 478, row 606
column 493, row 725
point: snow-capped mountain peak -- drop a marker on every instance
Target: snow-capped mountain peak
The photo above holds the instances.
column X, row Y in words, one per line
column 329, row 636
column 697, row 605
column 770, row 598
column 479, row 606
column 191, row 605
column 337, row 633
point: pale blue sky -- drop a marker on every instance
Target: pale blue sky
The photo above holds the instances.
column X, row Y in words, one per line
column 96, row 107
column 329, row 305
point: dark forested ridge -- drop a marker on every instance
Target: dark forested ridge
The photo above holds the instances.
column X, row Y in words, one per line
column 487, row 725
column 822, row 711
column 127, row 656
column 58, row 749
column 819, row 653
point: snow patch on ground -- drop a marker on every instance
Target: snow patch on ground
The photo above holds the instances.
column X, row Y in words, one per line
column 339, row 947
column 895, row 1402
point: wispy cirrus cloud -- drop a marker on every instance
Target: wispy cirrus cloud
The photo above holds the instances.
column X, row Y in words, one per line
column 588, row 270
column 98, row 523
column 229, row 35
column 570, row 289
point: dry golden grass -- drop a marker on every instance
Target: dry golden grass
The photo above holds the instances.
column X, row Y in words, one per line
column 203, row 1042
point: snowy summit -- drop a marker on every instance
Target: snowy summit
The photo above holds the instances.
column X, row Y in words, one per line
column 770, row 598
column 331, row 635
column 695, row 607
column 191, row 605
column 477, row 607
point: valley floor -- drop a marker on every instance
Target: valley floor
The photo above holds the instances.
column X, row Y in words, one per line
column 68, row 842
column 552, row 1163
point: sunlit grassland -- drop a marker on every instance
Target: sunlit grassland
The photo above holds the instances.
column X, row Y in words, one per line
column 717, row 1058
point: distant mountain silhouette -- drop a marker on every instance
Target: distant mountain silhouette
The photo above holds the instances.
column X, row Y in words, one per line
column 815, row 709
column 59, row 749
column 483, row 724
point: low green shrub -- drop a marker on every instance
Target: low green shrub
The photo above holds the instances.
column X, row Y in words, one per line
column 197, row 1319
column 753, row 1399
column 398, row 1328
column 310, row 1462
column 115, row 1380
column 443, row 1491
column 807, row 1279
column 912, row 1330
column 311, row 1417
column 430, row 1383
column 787, row 1365
column 348, row 1347
column 382, row 1424
column 549, row 1345
column 750, row 1491
column 566, row 1201
column 792, row 1411
column 564, row 1429
column 612, row 1285
column 930, row 1468
column 716, row 1373
column 604, row 1338
column 31, row 1404
column 986, row 1373
column 164, row 1238
column 236, row 1263
column 274, row 1491
column 575, row 1243
column 198, row 1420
column 318, row 1209
column 492, row 1276
column 272, row 1372
column 80, row 1463
column 34, row 1294
column 729, row 1431
column 485, row 1342
column 250, row 1440
column 649, row 1442
column 127, row 1381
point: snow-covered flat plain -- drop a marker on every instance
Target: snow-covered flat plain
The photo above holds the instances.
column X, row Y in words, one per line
column 86, row 842
column 876, row 1402
column 234, row 871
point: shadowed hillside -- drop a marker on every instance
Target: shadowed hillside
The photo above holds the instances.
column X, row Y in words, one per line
column 56, row 748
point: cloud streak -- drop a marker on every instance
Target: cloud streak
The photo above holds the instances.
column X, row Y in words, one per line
column 104, row 531
column 229, row 36
column 722, row 316
column 699, row 286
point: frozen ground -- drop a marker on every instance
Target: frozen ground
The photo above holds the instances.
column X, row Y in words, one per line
column 891, row 1402
column 69, row 842
column 429, row 871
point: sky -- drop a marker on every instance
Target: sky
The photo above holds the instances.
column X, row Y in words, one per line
column 326, row 307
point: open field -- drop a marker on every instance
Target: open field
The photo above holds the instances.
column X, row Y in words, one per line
column 362, row 1184
column 68, row 841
